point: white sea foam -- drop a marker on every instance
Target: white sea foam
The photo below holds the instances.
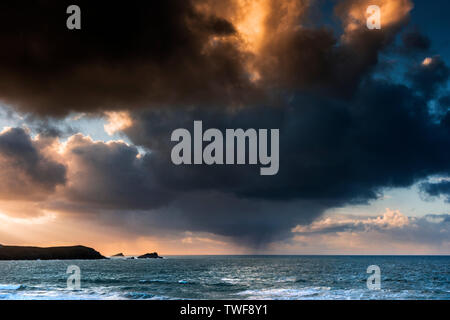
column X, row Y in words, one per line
column 287, row 279
column 231, row 280
column 284, row 293
column 10, row 286
column 323, row 293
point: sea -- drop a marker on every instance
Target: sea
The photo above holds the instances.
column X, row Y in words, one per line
column 229, row 278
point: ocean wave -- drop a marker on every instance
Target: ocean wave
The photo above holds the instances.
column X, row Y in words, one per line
column 162, row 281
column 186, row 282
column 287, row 279
column 326, row 293
column 60, row 294
column 144, row 296
column 222, row 284
column 284, row 293
column 155, row 281
column 104, row 280
column 11, row 286
column 231, row 280
column 301, row 281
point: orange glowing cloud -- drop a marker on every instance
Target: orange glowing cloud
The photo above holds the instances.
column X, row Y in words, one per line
column 257, row 24
column 117, row 121
column 354, row 13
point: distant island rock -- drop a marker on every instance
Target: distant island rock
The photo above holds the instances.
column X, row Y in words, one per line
column 119, row 255
column 153, row 255
column 52, row 253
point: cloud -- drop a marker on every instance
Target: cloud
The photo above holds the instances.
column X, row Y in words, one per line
column 414, row 40
column 392, row 226
column 428, row 77
column 26, row 172
column 444, row 106
column 189, row 52
column 353, row 12
column 333, row 150
column 113, row 184
column 345, row 134
column 437, row 189
column 117, row 121
column 109, row 176
column 445, row 102
column 391, row 219
column 136, row 55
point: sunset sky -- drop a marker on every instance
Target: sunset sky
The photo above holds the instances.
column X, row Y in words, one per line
column 364, row 117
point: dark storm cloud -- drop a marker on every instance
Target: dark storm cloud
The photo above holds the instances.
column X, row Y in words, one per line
column 136, row 54
column 437, row 189
column 170, row 53
column 428, row 77
column 333, row 152
column 414, row 40
column 245, row 221
column 110, row 176
column 341, row 150
column 444, row 103
column 344, row 137
column 443, row 111
column 25, row 170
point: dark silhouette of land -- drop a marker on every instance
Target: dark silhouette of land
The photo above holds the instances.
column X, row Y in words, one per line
column 52, row 253
column 153, row 255
column 118, row 255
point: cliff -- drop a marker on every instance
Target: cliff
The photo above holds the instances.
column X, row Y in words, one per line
column 52, row 253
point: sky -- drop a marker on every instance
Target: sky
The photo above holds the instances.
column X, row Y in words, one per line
column 86, row 118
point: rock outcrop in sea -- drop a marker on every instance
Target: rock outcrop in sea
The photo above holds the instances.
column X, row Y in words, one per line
column 153, row 255
column 118, row 255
